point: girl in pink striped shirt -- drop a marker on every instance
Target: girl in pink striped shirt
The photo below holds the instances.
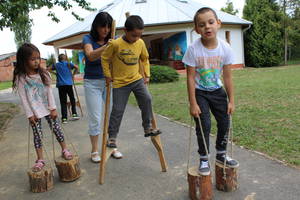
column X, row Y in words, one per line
column 33, row 85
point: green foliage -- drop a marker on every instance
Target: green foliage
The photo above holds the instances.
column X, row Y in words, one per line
column 229, row 8
column 75, row 57
column 291, row 25
column 264, row 41
column 11, row 10
column 22, row 30
column 163, row 74
column 50, row 60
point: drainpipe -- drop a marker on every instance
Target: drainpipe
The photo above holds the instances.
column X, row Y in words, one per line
column 249, row 26
column 244, row 30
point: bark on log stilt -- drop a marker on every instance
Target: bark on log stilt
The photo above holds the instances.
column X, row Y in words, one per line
column 41, row 181
column 200, row 187
column 68, row 170
column 228, row 182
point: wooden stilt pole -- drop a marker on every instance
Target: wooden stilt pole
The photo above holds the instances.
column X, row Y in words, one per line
column 106, row 152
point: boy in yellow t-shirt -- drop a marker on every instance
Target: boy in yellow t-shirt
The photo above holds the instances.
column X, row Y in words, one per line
column 124, row 55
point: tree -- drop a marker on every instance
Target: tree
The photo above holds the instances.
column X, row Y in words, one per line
column 263, row 42
column 22, row 30
column 75, row 57
column 229, row 8
column 50, row 60
column 10, row 10
column 290, row 23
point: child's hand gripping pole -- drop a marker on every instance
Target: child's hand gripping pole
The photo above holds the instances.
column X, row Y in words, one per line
column 104, row 154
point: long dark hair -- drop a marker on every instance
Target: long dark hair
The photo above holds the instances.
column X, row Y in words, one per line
column 23, row 55
column 102, row 19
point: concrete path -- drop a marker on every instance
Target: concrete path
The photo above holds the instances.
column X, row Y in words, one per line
column 138, row 175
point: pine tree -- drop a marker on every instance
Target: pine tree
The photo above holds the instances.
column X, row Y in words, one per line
column 229, row 8
column 264, row 41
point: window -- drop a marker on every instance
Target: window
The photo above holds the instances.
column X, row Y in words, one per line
column 227, row 36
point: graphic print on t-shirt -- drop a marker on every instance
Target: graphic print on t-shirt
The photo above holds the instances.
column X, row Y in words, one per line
column 209, row 71
column 128, row 57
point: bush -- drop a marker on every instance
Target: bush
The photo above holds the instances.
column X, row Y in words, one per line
column 163, row 74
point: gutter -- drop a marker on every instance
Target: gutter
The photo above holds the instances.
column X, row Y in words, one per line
column 245, row 29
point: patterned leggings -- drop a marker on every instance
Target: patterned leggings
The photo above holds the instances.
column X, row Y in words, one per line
column 38, row 133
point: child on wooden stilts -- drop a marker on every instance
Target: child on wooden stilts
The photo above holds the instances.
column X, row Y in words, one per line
column 124, row 55
column 33, row 85
column 207, row 59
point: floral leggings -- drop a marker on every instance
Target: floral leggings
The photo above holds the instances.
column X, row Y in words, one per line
column 38, row 133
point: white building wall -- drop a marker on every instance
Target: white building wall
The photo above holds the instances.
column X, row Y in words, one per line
column 236, row 40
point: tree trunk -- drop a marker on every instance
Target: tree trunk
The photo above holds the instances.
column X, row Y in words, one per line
column 227, row 182
column 200, row 187
column 41, row 181
column 68, row 170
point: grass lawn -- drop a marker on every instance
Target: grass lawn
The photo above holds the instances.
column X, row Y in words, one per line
column 267, row 117
column 5, row 85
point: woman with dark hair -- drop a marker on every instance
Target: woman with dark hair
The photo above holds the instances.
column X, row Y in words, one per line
column 94, row 81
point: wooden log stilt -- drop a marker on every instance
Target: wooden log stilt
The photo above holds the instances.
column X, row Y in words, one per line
column 41, row 181
column 226, row 182
column 68, row 170
column 157, row 143
column 200, row 187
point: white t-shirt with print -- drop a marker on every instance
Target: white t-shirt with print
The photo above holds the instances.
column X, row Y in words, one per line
column 209, row 63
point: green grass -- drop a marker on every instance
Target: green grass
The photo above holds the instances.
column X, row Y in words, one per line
column 5, row 85
column 267, row 117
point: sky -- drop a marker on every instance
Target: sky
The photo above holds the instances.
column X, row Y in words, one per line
column 44, row 27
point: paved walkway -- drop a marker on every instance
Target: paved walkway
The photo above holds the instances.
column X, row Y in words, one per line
column 137, row 176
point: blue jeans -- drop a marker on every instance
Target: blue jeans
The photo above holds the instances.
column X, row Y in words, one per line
column 95, row 95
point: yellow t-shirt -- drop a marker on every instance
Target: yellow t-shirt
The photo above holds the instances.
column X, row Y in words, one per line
column 124, row 58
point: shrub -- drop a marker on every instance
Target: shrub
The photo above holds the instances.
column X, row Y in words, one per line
column 163, row 74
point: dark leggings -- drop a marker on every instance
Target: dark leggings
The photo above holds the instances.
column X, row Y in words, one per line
column 38, row 133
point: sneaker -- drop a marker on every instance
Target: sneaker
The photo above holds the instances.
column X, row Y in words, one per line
column 75, row 117
column 204, row 169
column 64, row 120
column 220, row 158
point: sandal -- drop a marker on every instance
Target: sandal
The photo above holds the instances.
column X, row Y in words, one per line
column 66, row 154
column 152, row 132
column 117, row 154
column 95, row 158
column 111, row 143
column 38, row 166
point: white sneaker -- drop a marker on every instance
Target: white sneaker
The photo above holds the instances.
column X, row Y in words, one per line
column 117, row 154
column 95, row 157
